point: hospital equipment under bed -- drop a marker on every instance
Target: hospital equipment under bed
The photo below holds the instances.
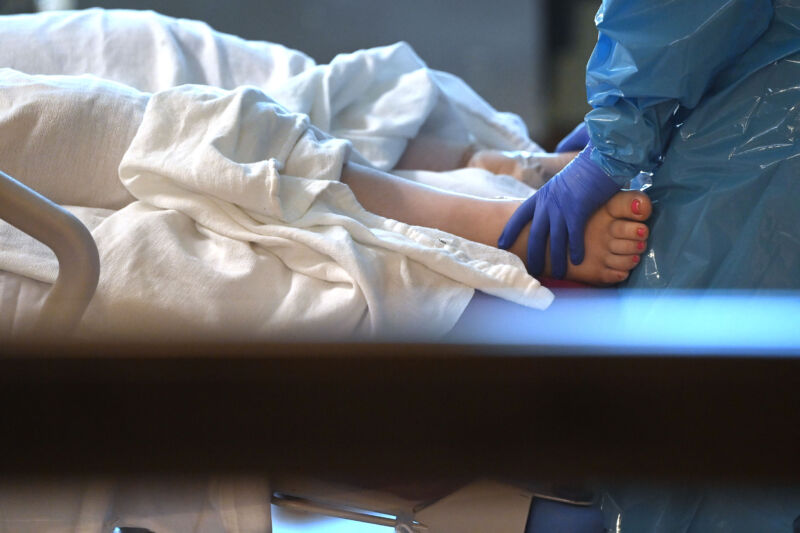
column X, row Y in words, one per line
column 687, row 388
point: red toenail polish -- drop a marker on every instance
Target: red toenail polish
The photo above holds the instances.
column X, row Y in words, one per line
column 635, row 258
column 640, row 245
column 640, row 231
column 636, row 207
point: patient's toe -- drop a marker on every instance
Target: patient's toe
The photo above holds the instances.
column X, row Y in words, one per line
column 611, row 276
column 621, row 262
column 631, row 205
column 625, row 229
column 626, row 246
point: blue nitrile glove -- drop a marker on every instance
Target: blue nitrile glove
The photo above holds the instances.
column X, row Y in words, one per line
column 575, row 140
column 561, row 207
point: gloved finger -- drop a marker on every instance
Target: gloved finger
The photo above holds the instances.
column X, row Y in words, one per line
column 575, row 140
column 576, row 248
column 537, row 242
column 516, row 223
column 558, row 253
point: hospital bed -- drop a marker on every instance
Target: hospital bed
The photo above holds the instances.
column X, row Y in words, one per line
column 64, row 304
column 688, row 388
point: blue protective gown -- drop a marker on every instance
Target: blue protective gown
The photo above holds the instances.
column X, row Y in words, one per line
column 705, row 94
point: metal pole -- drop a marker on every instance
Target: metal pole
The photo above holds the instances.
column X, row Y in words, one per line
column 307, row 506
column 75, row 249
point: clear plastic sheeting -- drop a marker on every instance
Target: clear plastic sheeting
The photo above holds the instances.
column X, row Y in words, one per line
column 706, row 96
column 652, row 58
column 726, row 198
column 660, row 509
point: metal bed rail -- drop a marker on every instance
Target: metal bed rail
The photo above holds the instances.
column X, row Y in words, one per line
column 73, row 245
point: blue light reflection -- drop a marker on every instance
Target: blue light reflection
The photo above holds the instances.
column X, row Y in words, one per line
column 642, row 322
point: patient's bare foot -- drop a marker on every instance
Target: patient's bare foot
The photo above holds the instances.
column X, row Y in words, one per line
column 533, row 169
column 615, row 238
column 615, row 235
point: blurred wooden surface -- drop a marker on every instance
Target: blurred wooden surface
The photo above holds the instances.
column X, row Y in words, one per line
column 396, row 413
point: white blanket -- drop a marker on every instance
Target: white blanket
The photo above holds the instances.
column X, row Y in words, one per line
column 226, row 216
column 377, row 98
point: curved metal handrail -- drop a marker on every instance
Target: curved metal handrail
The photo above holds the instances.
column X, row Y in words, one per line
column 75, row 249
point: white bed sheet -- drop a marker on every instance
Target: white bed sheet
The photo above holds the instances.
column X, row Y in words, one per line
column 218, row 238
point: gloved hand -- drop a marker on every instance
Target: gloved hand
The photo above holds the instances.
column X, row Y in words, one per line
column 561, row 208
column 576, row 140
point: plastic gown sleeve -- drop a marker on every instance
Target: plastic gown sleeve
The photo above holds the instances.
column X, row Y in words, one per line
column 652, row 57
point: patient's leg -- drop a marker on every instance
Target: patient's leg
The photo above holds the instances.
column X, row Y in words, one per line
column 532, row 169
column 433, row 153
column 615, row 234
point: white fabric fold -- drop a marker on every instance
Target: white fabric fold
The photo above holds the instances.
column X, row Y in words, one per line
column 240, row 226
column 377, row 98
column 378, row 276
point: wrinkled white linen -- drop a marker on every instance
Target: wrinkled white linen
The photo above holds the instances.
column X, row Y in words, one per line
column 227, row 216
column 377, row 98
column 64, row 136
